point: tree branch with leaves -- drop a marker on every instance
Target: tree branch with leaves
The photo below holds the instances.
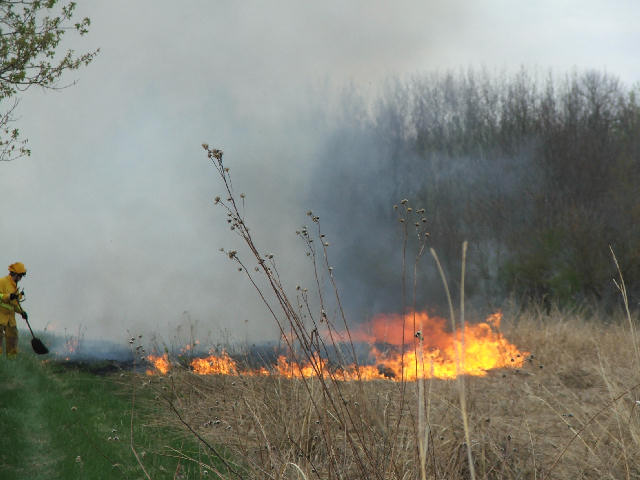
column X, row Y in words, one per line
column 30, row 36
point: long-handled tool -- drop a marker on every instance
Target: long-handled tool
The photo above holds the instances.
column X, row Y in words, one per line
column 37, row 345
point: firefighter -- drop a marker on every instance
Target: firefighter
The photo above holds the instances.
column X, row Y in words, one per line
column 9, row 298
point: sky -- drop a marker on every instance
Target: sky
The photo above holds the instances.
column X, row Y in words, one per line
column 113, row 212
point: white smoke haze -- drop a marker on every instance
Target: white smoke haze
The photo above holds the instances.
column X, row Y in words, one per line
column 113, row 213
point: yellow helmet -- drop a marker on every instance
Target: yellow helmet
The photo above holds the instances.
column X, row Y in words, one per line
column 18, row 267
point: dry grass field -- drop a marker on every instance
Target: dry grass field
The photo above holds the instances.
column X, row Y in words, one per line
column 571, row 412
column 568, row 408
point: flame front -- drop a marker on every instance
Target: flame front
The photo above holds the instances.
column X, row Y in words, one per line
column 434, row 352
column 402, row 347
column 161, row 363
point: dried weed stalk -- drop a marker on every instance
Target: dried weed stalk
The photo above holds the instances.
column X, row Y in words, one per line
column 572, row 411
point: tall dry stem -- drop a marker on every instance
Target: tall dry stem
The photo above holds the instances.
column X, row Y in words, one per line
column 625, row 300
column 459, row 354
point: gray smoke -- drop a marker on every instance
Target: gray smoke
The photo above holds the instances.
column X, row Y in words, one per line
column 113, row 213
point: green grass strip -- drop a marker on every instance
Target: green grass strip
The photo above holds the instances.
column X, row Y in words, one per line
column 61, row 423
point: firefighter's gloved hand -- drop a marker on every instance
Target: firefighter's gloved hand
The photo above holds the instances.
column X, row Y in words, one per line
column 24, row 315
column 13, row 296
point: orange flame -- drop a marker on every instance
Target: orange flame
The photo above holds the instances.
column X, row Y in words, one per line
column 437, row 352
column 215, row 365
column 161, row 363
column 403, row 347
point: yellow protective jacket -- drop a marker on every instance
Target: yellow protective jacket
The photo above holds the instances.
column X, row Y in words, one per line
column 8, row 307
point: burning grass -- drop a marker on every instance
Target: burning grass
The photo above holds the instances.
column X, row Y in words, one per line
column 570, row 411
column 399, row 347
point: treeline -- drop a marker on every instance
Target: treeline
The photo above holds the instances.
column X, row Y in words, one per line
column 539, row 175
